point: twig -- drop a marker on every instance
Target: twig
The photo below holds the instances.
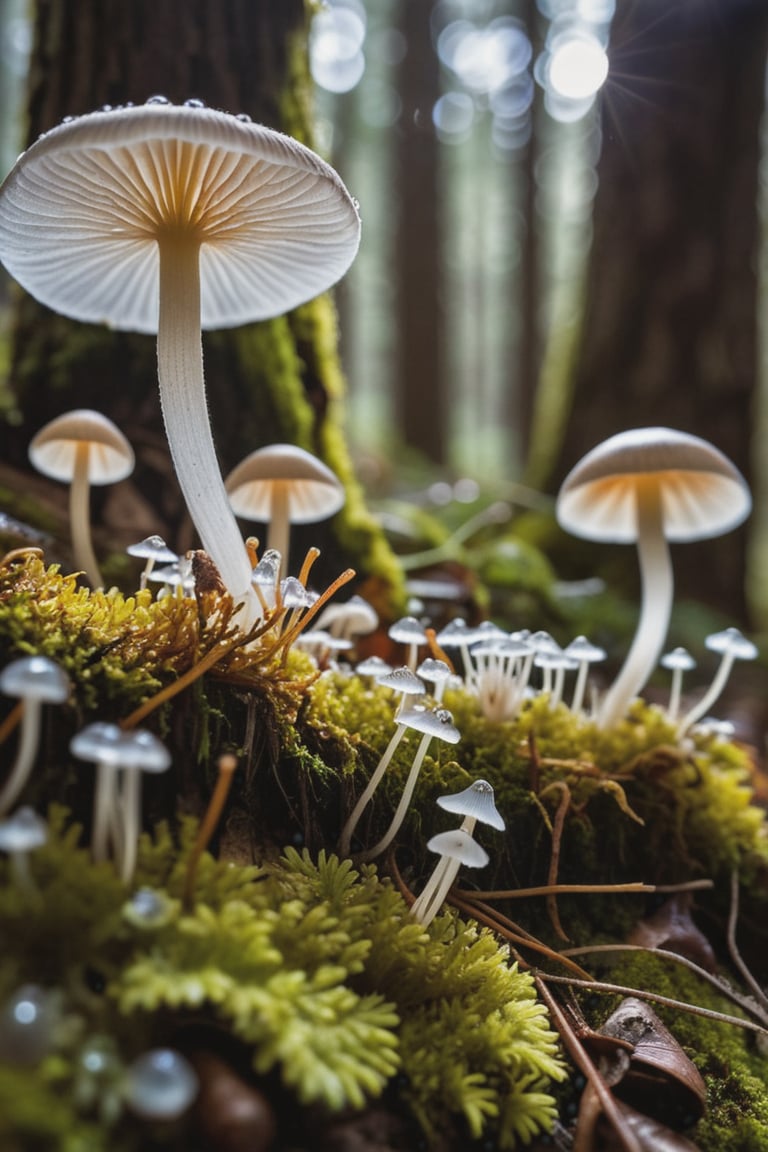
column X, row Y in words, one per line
column 733, row 916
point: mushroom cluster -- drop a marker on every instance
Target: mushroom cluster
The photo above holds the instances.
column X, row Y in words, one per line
column 170, row 219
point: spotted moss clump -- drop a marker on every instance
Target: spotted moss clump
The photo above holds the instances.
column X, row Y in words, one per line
column 314, row 967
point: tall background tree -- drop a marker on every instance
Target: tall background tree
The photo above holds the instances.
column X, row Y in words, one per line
column 274, row 381
column 670, row 319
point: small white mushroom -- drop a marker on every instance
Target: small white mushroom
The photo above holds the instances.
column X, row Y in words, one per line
column 104, row 745
column 650, row 486
column 21, row 834
column 35, row 680
column 454, row 849
column 410, row 632
column 143, row 752
column 282, row 485
column 434, row 724
column 586, row 653
column 153, row 550
column 82, row 448
column 679, row 660
column 731, row 645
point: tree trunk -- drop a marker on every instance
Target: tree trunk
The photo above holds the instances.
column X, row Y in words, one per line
column 670, row 334
column 421, row 406
column 274, row 381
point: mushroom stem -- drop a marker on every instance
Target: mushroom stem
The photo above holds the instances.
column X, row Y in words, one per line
column 29, row 737
column 405, row 799
column 657, row 590
column 278, row 532
column 80, row 518
column 719, row 682
column 440, row 883
column 183, row 401
column 347, row 831
column 131, row 812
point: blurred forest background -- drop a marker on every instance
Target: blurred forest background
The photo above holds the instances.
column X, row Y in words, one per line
column 564, row 207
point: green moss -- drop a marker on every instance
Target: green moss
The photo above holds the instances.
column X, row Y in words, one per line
column 315, row 967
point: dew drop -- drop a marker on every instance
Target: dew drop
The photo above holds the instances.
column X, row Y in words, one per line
column 194, row 103
column 106, row 108
column 160, row 1084
column 157, row 100
column 244, row 118
column 67, row 119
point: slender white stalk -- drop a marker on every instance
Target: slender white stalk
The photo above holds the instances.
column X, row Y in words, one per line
column 279, row 531
column 675, row 691
column 131, row 808
column 440, row 882
column 183, row 401
column 405, row 800
column 578, row 689
column 347, row 831
column 719, row 682
column 657, row 591
column 80, row 518
column 29, row 738
column 104, row 811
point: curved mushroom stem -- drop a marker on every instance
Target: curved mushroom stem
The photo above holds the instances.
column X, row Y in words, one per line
column 29, row 738
column 349, row 828
column 185, row 412
column 719, row 682
column 278, row 532
column 440, row 883
column 405, row 799
column 80, row 519
column 657, row 590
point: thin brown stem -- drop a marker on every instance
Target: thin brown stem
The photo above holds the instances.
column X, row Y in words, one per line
column 227, row 766
column 591, row 889
column 11, row 721
column 554, row 860
column 736, row 957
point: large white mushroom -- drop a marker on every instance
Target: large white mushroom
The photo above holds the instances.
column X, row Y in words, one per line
column 649, row 486
column 166, row 219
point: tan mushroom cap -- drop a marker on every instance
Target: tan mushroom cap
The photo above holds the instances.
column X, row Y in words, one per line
column 311, row 489
column 702, row 493
column 82, row 209
column 53, row 450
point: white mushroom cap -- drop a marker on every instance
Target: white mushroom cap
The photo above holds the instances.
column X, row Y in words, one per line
column 733, row 643
column 81, row 210
column 153, row 548
column 477, row 802
column 24, row 831
column 703, row 493
column 312, row 490
column 143, row 751
column 434, row 722
column 459, row 845
column 679, row 659
column 35, row 678
column 54, row 449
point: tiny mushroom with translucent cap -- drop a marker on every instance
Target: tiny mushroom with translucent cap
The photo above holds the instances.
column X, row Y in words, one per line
column 650, row 486
column 679, row 660
column 731, row 645
column 412, row 633
column 585, row 653
column 142, row 752
column 283, row 484
column 475, row 803
column 454, row 848
column 434, row 724
column 34, row 680
column 351, row 618
column 437, row 673
column 103, row 744
column 402, row 724
column 153, row 550
column 168, row 218
column 82, row 448
column 21, row 834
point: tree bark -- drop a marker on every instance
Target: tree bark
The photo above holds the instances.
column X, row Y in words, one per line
column 421, row 405
column 274, row 381
column 670, row 331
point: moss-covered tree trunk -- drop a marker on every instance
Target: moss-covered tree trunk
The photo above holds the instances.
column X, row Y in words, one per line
column 274, row 381
column 670, row 328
